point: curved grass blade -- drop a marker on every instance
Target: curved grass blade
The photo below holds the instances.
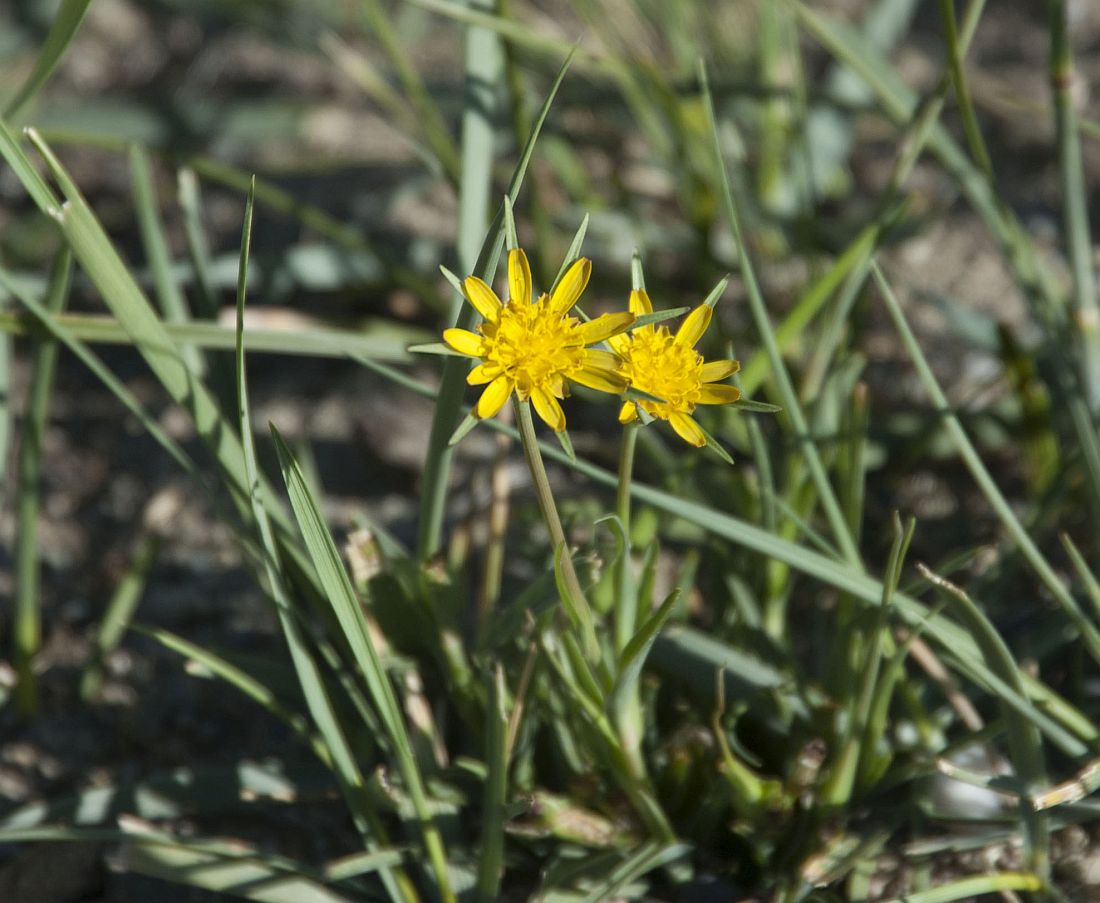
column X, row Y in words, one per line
column 340, row 595
column 242, row 681
column 624, row 690
column 980, row 473
column 826, row 495
column 62, row 30
column 1086, row 319
column 336, row 750
column 1022, row 736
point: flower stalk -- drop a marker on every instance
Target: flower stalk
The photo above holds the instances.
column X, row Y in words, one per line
column 573, row 597
column 626, row 606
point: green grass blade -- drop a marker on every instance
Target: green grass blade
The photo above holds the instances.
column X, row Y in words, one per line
column 841, row 782
column 340, row 595
column 7, row 365
column 624, row 690
column 1016, row 530
column 122, row 295
column 24, row 170
column 242, row 681
column 27, row 626
column 427, row 114
column 386, row 345
column 213, row 864
column 491, row 857
column 119, row 613
column 1086, row 320
column 168, row 294
column 448, row 406
column 977, row 885
column 54, row 328
column 249, row 874
column 955, row 52
column 1092, row 585
column 190, row 200
column 62, row 30
column 792, row 408
column 338, row 750
column 1021, row 735
column 645, row 859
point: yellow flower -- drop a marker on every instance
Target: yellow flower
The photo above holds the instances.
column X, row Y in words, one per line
column 668, row 366
column 536, row 349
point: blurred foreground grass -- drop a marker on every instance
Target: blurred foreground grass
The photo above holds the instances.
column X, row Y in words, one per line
column 770, row 698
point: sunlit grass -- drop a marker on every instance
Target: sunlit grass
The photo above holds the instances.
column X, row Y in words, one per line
column 693, row 667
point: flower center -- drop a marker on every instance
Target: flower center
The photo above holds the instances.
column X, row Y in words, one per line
column 655, row 363
column 534, row 346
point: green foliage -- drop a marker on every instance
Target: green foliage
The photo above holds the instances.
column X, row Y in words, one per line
column 710, row 673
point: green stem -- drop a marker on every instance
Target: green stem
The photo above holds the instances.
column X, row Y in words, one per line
column 573, row 598
column 1086, row 308
column 626, row 606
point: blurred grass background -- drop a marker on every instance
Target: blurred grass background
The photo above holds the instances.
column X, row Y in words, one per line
column 957, row 147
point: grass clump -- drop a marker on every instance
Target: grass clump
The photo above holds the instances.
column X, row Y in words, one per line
column 735, row 652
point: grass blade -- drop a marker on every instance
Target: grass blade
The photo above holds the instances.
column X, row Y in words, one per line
column 340, row 595
column 242, row 681
column 313, row 342
column 62, row 30
column 1021, row 735
column 980, row 473
column 977, row 885
column 791, row 405
column 491, row 859
column 27, row 627
column 1086, row 319
column 339, row 751
column 120, row 611
column 172, row 304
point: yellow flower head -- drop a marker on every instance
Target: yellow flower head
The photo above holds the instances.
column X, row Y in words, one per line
column 665, row 365
column 536, row 349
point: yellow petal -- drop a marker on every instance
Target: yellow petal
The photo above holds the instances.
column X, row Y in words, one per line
column 640, row 303
column 620, row 343
column 712, row 371
column 687, row 429
column 694, row 326
column 572, row 284
column 519, row 276
column 463, row 341
column 604, row 327
column 483, row 298
column 718, row 394
column 484, row 373
column 605, row 360
column 600, row 378
column 628, row 412
column 548, row 409
column 494, row 396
